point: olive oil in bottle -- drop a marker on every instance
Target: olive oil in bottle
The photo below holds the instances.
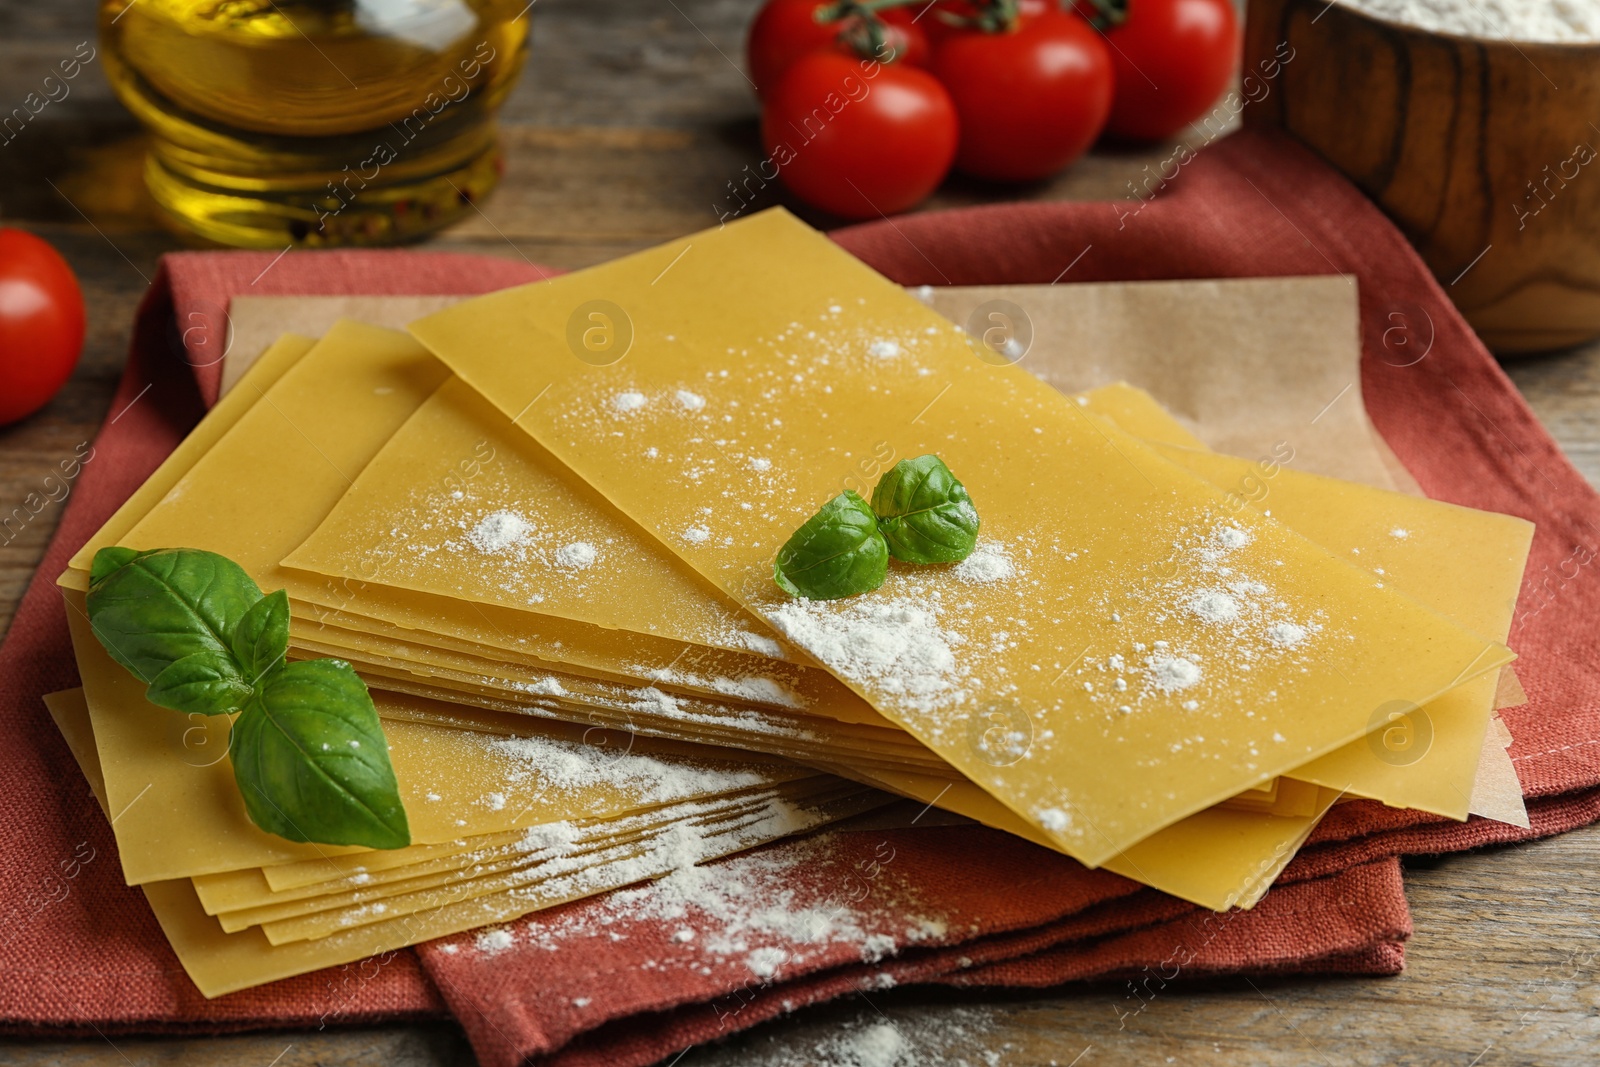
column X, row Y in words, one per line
column 316, row 123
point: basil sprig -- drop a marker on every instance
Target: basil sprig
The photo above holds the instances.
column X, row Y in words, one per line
column 920, row 513
column 308, row 750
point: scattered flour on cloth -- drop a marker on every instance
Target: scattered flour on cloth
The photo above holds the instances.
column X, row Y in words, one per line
column 494, row 940
column 954, row 1037
column 751, row 908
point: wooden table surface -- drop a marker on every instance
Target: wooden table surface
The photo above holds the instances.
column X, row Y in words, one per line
column 627, row 124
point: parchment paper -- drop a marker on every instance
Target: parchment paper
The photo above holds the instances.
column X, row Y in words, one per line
column 1244, row 363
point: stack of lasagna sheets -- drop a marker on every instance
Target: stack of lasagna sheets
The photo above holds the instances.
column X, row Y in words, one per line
column 553, row 566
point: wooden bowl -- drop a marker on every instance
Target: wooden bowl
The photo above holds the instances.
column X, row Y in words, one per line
column 1484, row 152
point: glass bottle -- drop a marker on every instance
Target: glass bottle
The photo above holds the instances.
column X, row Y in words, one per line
column 312, row 123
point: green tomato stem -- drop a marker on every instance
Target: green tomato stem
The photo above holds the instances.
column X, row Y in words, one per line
column 1104, row 14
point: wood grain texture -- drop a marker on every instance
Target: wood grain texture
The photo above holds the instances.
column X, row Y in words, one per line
column 417, row 1045
column 1480, row 150
column 628, row 125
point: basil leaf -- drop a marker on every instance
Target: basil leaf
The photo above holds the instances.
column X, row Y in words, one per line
column 261, row 639
column 159, row 607
column 311, row 761
column 838, row 552
column 925, row 514
column 204, row 683
column 109, row 559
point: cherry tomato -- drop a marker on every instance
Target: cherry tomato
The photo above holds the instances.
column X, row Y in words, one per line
column 907, row 36
column 1172, row 58
column 41, row 323
column 1031, row 99
column 785, row 30
column 856, row 137
column 938, row 30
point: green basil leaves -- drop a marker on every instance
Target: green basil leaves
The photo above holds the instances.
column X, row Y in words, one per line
column 838, row 552
column 311, row 760
column 203, row 683
column 261, row 639
column 925, row 513
column 920, row 513
column 156, row 610
column 308, row 750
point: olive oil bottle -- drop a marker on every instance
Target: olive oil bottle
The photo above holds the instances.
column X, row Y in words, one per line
column 316, row 123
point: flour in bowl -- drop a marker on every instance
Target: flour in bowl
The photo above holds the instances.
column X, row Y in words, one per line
column 1516, row 20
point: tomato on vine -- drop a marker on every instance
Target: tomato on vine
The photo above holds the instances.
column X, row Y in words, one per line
column 785, row 30
column 1172, row 58
column 943, row 19
column 1032, row 86
column 857, row 137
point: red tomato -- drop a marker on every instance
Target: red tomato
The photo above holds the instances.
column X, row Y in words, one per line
column 907, row 36
column 926, row 13
column 856, row 137
column 41, row 323
column 785, row 30
column 1173, row 58
column 1031, row 99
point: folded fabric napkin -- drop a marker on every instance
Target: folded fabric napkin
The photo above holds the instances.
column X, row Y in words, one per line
column 614, row 979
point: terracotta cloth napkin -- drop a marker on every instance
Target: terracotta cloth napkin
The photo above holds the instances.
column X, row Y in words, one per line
column 79, row 949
